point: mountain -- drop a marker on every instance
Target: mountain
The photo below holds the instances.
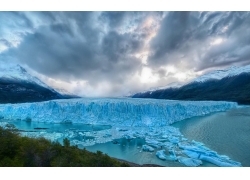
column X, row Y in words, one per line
column 220, row 74
column 66, row 94
column 232, row 84
column 17, row 86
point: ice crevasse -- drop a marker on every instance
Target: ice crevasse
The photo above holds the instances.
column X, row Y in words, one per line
column 112, row 111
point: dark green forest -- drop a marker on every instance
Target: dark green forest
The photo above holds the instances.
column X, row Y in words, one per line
column 17, row 151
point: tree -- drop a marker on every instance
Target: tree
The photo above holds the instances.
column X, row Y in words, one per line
column 66, row 142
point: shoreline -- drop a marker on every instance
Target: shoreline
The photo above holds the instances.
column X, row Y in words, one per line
column 137, row 165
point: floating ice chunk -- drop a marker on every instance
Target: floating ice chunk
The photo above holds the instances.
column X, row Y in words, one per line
column 107, row 135
column 189, row 161
column 165, row 136
column 153, row 143
column 80, row 134
column 220, row 161
column 194, row 148
column 197, row 143
column 147, row 148
column 172, row 152
column 168, row 145
column 224, row 156
column 161, row 155
column 174, row 140
column 184, row 139
column 211, row 157
column 128, row 136
column 192, row 154
column 50, row 136
column 161, row 139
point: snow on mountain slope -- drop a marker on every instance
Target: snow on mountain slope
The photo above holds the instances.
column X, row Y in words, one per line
column 18, row 73
column 64, row 92
column 171, row 85
column 219, row 74
column 119, row 111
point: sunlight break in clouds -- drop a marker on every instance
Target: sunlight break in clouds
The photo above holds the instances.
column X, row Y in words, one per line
column 116, row 53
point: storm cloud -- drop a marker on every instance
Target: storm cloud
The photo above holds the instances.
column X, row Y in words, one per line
column 114, row 53
column 202, row 39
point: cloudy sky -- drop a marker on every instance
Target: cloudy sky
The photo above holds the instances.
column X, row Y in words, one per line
column 116, row 53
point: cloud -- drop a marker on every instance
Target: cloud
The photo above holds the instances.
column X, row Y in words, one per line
column 185, row 37
column 108, row 53
column 73, row 46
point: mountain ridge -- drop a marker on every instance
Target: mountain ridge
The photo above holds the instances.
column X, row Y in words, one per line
column 18, row 86
column 234, row 86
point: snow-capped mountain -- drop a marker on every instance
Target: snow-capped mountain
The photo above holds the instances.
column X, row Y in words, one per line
column 220, row 74
column 17, row 85
column 232, row 84
column 18, row 73
column 171, row 85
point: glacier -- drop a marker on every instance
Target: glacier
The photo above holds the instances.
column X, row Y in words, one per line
column 149, row 119
column 112, row 111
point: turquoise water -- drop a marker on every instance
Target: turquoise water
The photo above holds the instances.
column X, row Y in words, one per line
column 51, row 127
column 130, row 150
column 226, row 133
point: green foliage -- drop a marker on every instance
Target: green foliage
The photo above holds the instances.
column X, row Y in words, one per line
column 66, row 142
column 17, row 151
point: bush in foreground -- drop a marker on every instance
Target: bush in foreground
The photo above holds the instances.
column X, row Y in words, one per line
column 17, row 151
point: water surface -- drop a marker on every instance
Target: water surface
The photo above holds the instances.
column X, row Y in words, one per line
column 225, row 132
column 53, row 127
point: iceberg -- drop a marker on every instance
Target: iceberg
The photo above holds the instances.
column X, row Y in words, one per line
column 147, row 148
column 112, row 111
column 199, row 151
column 161, row 155
column 191, row 162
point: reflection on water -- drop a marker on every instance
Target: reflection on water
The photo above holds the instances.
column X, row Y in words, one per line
column 131, row 150
column 226, row 132
column 50, row 127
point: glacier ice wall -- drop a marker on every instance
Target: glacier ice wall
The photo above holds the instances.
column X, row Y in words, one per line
column 112, row 111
